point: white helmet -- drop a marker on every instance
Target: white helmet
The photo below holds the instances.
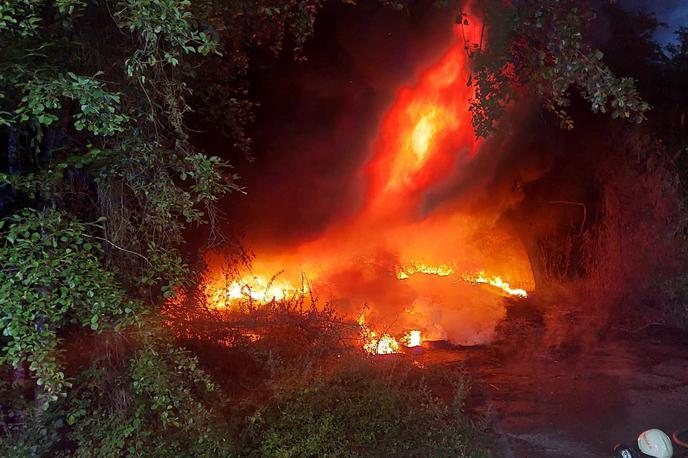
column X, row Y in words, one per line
column 655, row 442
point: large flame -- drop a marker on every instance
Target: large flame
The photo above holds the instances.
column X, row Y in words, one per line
column 425, row 142
column 412, row 338
column 426, row 122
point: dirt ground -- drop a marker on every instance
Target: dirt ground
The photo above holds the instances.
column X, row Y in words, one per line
column 575, row 401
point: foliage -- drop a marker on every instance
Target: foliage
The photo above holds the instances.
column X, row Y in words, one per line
column 92, row 106
column 148, row 181
column 540, row 45
column 151, row 399
column 156, row 405
column 301, row 385
column 52, row 277
column 364, row 410
column 95, row 98
column 97, row 106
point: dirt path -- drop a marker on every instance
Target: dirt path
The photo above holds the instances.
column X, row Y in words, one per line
column 575, row 402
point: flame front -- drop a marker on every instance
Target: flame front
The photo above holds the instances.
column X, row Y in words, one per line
column 442, row 270
column 497, row 282
column 253, row 288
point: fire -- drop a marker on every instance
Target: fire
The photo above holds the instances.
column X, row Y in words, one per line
column 410, row 222
column 421, row 136
column 412, row 338
column 498, row 283
column 385, row 345
column 425, row 133
column 444, row 270
column 441, row 270
column 375, row 344
column 255, row 288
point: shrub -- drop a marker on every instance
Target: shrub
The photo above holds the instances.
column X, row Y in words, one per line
column 370, row 407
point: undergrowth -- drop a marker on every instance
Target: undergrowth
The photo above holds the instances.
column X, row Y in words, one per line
column 297, row 383
column 284, row 379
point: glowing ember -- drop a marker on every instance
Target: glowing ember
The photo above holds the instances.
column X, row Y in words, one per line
column 498, row 283
column 412, row 338
column 441, row 270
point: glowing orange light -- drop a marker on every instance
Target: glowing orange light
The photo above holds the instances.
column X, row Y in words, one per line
column 497, row 282
column 424, row 141
column 412, row 338
column 441, row 270
column 376, row 344
column 256, row 288
column 426, row 131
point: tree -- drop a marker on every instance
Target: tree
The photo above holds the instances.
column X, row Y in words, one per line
column 100, row 178
column 99, row 182
column 540, row 47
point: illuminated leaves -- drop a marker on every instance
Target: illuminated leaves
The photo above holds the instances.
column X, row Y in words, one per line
column 99, row 110
column 51, row 277
column 539, row 45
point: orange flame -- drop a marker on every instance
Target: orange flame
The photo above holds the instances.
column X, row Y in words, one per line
column 255, row 288
column 441, row 270
column 412, row 338
column 424, row 142
column 497, row 282
column 424, row 124
column 375, row 344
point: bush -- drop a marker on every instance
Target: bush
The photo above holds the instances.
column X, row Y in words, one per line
column 307, row 388
column 371, row 407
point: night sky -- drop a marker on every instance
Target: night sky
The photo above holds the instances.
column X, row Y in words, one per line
column 672, row 12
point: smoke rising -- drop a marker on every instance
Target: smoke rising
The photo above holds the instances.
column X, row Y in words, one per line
column 367, row 164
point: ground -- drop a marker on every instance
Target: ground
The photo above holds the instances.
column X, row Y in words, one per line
column 575, row 401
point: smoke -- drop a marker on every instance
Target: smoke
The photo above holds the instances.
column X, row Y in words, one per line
column 367, row 164
column 318, row 119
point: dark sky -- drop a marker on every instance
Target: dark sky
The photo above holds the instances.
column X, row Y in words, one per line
column 673, row 12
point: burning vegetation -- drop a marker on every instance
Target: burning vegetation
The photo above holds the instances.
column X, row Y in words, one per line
column 412, row 203
column 425, row 140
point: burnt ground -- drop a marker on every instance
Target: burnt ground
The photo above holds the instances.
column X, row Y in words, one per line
column 574, row 400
